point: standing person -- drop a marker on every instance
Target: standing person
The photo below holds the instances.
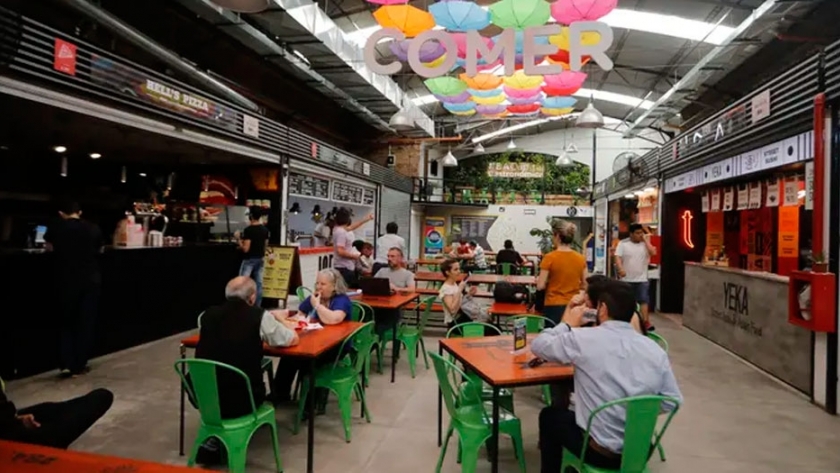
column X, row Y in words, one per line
column 510, row 256
column 252, row 242
column 323, row 231
column 385, row 244
column 77, row 245
column 632, row 258
column 402, row 280
column 344, row 258
column 562, row 272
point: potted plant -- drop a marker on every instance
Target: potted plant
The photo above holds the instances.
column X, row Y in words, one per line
column 819, row 263
column 546, row 236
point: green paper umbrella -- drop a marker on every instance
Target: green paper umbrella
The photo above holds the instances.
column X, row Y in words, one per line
column 446, row 86
column 520, row 14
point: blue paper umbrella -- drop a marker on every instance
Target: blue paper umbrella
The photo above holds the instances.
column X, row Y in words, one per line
column 484, row 93
column 520, row 41
column 559, row 102
column 460, row 107
column 456, row 15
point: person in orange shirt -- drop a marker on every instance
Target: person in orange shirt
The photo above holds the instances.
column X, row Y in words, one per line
column 562, row 272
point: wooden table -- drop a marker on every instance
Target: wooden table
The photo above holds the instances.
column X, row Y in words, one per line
column 509, row 309
column 313, row 344
column 394, row 302
column 24, row 458
column 429, row 276
column 492, row 358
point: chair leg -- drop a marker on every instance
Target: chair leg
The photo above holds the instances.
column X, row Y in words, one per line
column 304, row 391
column 365, row 411
column 546, row 394
column 519, row 450
column 469, row 457
column 345, row 405
column 275, row 444
column 411, row 353
column 423, row 348
column 443, row 448
column 237, row 457
column 196, row 445
column 661, row 452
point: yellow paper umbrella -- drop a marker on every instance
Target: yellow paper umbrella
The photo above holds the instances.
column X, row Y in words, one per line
column 520, row 80
column 588, row 38
column 410, row 20
column 467, row 113
column 437, row 62
column 556, row 112
column 498, row 115
column 482, row 81
column 489, row 100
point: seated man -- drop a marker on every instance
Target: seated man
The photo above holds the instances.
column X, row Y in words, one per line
column 52, row 424
column 233, row 333
column 510, row 256
column 612, row 361
column 402, row 280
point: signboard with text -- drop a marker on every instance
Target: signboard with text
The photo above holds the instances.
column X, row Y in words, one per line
column 516, row 170
column 282, row 271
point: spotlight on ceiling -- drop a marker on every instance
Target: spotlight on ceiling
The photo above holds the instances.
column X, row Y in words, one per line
column 295, row 208
column 60, row 149
column 95, row 155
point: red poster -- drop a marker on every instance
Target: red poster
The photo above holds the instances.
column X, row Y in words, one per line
column 64, row 57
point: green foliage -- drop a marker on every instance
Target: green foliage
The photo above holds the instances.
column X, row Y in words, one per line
column 546, row 237
column 473, row 173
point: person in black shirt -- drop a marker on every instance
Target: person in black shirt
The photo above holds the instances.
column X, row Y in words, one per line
column 252, row 242
column 52, row 424
column 509, row 255
column 76, row 245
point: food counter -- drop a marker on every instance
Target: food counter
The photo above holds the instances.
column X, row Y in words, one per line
column 746, row 313
column 147, row 294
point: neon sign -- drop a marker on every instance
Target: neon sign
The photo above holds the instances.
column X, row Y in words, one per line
column 687, row 217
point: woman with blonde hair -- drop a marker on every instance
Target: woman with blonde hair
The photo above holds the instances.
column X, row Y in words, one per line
column 562, row 272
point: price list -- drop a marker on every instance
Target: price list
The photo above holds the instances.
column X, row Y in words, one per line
column 369, row 197
column 309, row 186
column 347, row 193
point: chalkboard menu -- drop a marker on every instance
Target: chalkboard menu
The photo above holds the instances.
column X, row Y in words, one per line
column 347, row 193
column 309, row 186
column 370, row 197
column 472, row 228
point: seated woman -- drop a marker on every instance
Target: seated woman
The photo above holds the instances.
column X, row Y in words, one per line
column 328, row 305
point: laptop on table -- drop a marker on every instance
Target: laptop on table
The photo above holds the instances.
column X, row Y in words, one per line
column 375, row 286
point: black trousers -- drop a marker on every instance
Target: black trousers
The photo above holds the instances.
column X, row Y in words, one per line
column 350, row 277
column 385, row 320
column 79, row 307
column 558, row 430
column 64, row 422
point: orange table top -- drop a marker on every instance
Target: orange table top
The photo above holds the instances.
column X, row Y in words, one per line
column 394, row 301
column 312, row 342
column 494, row 361
column 477, row 278
column 23, row 458
column 511, row 309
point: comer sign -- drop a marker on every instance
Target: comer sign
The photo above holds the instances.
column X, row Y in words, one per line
column 503, row 50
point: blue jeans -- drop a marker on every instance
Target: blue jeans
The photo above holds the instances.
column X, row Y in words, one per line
column 642, row 291
column 253, row 267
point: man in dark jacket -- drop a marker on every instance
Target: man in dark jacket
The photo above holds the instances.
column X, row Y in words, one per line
column 52, row 424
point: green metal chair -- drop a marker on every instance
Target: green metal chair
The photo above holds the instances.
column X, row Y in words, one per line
column 507, row 268
column 364, row 313
column 639, row 430
column 235, row 434
column 478, row 330
column 511, row 197
column 664, row 344
column 466, row 196
column 484, row 197
column 470, row 419
column 410, row 337
column 343, row 377
column 534, row 324
column 302, row 293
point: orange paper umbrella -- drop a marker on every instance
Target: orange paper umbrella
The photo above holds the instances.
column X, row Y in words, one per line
column 562, row 58
column 520, row 80
column 482, row 81
column 410, row 20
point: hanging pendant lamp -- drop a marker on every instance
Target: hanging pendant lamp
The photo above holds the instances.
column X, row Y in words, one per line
column 449, row 161
column 512, row 144
column 401, row 121
column 590, row 117
column 564, row 161
column 479, row 148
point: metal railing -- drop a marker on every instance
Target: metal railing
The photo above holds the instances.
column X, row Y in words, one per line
column 447, row 191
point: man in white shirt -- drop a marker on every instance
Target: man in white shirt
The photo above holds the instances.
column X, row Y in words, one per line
column 612, row 361
column 632, row 258
column 384, row 244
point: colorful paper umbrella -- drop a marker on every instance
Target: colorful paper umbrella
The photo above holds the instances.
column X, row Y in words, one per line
column 388, row 2
column 556, row 112
column 488, row 67
column 491, row 109
column 437, row 62
column 520, row 41
column 519, row 80
column 482, row 81
column 430, row 51
column 460, row 98
column 410, row 20
column 461, row 41
column 456, row 15
column 460, row 107
column 484, row 93
column 562, row 58
column 520, row 14
column 446, row 86
column 497, row 116
column 523, row 109
column 566, row 80
column 521, row 93
column 561, row 40
column 558, row 102
column 569, row 11
column 526, row 100
column 489, row 100
column 558, row 92
column 467, row 113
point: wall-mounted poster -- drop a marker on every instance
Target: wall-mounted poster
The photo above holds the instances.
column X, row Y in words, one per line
column 743, row 197
column 791, row 192
column 715, row 207
column 755, row 195
column 705, row 202
column 728, row 199
column 773, row 194
column 434, row 235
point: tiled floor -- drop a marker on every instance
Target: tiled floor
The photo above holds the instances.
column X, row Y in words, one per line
column 735, row 419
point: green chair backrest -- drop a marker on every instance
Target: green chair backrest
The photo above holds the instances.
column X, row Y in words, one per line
column 198, row 322
column 427, row 311
column 506, row 268
column 640, row 435
column 659, row 340
column 302, row 293
column 361, row 340
column 449, row 376
column 471, row 330
column 361, row 312
column 204, row 387
column 533, row 323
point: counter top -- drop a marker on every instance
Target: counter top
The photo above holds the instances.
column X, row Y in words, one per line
column 315, row 250
column 753, row 274
column 40, row 251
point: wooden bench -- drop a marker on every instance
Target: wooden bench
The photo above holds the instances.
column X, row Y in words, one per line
column 434, row 292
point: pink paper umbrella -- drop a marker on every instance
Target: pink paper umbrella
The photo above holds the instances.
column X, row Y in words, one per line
column 566, row 80
column 460, row 98
column 526, row 100
column 491, row 109
column 520, row 93
column 570, row 11
column 461, row 40
column 430, row 51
